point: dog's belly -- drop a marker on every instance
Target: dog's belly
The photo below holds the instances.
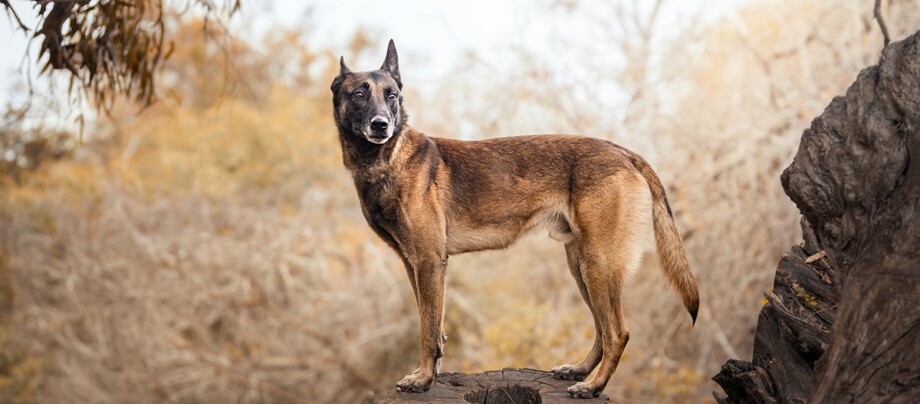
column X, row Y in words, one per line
column 465, row 237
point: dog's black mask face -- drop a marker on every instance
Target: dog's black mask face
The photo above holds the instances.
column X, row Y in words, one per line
column 369, row 104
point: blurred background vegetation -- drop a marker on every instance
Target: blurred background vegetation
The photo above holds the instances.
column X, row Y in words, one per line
column 209, row 247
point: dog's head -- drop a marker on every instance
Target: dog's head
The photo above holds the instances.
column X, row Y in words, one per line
column 369, row 104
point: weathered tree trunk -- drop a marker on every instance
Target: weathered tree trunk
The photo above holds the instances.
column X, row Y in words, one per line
column 844, row 324
column 504, row 386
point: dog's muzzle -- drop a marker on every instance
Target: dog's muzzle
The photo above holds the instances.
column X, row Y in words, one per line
column 380, row 130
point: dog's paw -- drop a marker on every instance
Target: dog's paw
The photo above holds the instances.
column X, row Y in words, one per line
column 569, row 372
column 416, row 382
column 584, row 390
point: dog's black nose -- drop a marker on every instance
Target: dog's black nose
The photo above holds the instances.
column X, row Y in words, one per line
column 379, row 123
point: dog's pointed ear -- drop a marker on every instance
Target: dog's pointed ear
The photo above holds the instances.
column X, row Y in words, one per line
column 343, row 71
column 391, row 63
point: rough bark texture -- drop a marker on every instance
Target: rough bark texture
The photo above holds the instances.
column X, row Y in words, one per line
column 844, row 326
column 504, row 386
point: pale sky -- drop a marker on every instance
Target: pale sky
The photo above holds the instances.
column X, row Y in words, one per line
column 432, row 35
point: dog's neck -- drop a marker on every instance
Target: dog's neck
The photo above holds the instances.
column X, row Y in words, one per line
column 372, row 161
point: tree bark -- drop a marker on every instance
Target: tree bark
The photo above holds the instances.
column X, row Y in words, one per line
column 844, row 326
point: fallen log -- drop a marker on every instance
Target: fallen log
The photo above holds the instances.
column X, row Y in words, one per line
column 504, row 386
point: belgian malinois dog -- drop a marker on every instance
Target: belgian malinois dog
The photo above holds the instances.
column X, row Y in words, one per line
column 429, row 198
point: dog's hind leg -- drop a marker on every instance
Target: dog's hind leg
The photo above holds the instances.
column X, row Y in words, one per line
column 581, row 370
column 603, row 278
column 615, row 224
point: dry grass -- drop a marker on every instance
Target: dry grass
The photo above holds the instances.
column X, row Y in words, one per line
column 200, row 295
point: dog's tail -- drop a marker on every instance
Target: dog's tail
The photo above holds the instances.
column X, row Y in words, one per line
column 669, row 246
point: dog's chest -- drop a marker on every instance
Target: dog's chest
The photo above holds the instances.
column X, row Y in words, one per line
column 380, row 206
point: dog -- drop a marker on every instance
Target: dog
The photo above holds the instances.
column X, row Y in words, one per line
column 429, row 198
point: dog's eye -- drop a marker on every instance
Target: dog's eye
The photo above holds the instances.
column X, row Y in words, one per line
column 358, row 94
column 392, row 96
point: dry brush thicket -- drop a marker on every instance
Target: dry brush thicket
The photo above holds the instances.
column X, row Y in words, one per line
column 208, row 251
column 201, row 251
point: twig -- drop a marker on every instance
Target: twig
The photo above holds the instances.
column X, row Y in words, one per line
column 881, row 21
column 722, row 339
column 12, row 12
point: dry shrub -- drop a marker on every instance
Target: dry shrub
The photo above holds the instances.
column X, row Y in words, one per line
column 200, row 252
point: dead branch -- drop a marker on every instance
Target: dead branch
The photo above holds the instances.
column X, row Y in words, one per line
column 12, row 12
column 881, row 21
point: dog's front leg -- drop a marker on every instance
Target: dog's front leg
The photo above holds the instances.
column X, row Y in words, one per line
column 430, row 271
column 411, row 272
